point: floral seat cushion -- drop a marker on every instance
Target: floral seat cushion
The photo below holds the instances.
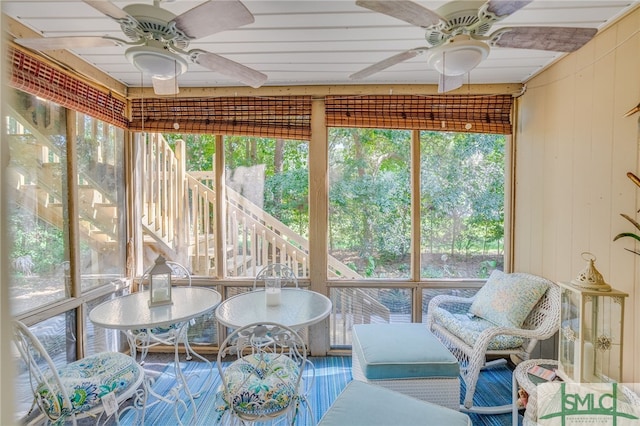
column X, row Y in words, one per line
column 468, row 328
column 88, row 380
column 261, row 385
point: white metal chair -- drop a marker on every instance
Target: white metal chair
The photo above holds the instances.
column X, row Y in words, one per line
column 80, row 389
column 472, row 338
column 146, row 338
column 265, row 381
column 276, row 271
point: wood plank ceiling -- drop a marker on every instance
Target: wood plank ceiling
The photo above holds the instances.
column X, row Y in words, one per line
column 313, row 42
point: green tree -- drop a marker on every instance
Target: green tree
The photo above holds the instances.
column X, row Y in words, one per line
column 199, row 150
column 370, row 193
column 38, row 248
column 462, row 179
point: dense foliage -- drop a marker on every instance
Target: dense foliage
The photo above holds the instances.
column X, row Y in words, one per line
column 461, row 198
column 462, row 192
column 370, row 195
column 37, row 247
column 461, row 195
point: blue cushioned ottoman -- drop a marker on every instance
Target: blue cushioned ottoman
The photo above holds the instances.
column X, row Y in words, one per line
column 362, row 404
column 406, row 358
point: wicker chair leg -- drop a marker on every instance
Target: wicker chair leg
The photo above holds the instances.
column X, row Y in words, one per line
column 471, row 381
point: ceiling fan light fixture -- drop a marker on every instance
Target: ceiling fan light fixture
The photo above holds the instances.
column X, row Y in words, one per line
column 157, row 62
column 457, row 57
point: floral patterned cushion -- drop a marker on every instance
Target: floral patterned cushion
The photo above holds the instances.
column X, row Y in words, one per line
column 261, row 385
column 507, row 299
column 88, row 380
column 468, row 328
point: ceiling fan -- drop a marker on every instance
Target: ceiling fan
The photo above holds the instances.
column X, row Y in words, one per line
column 158, row 40
column 457, row 35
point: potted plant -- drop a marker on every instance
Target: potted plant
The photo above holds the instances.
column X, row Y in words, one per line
column 635, row 223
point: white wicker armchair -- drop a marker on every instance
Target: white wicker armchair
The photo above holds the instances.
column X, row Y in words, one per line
column 471, row 349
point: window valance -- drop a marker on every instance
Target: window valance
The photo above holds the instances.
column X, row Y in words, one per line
column 279, row 117
column 453, row 113
column 29, row 74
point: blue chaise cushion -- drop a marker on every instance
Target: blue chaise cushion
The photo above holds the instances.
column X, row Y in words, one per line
column 363, row 404
column 401, row 351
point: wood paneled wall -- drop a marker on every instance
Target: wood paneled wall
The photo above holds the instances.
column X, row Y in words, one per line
column 573, row 149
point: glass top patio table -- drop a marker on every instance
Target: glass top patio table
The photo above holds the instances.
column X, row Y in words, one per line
column 298, row 308
column 132, row 311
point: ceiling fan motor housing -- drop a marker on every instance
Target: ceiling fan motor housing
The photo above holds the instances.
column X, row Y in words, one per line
column 461, row 17
column 156, row 57
column 154, row 23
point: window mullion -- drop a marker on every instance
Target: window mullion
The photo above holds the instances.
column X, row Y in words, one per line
column 72, row 215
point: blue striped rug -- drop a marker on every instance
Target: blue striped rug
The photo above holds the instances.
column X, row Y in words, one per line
column 332, row 375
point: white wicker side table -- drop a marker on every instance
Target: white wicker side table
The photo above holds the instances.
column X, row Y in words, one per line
column 522, row 379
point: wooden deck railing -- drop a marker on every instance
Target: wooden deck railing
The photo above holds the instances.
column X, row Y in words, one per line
column 161, row 185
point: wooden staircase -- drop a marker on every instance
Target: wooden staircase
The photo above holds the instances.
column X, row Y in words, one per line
column 36, row 178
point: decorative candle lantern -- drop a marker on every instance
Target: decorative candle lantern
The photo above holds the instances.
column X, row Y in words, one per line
column 591, row 328
column 160, row 283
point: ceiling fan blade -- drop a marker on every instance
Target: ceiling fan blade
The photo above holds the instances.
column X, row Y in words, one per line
column 505, row 8
column 230, row 68
column 73, row 42
column 379, row 66
column 447, row 83
column 405, row 10
column 165, row 86
column 558, row 39
column 212, row 17
column 108, row 8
